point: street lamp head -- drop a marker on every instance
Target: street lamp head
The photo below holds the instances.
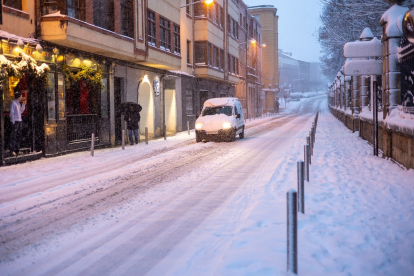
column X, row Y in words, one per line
column 263, row 45
column 207, row 2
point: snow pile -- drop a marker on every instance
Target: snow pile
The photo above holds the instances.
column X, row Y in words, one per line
column 393, row 17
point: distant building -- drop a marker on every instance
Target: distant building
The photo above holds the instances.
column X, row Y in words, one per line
column 266, row 15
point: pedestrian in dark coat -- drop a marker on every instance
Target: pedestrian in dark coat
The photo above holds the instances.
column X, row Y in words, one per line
column 132, row 118
column 16, row 110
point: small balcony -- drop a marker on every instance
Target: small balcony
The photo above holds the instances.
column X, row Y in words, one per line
column 73, row 33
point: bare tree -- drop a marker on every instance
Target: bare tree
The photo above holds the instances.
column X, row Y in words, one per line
column 343, row 21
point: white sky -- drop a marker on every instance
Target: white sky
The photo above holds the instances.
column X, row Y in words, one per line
column 298, row 25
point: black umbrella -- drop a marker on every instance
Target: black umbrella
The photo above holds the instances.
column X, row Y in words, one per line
column 125, row 107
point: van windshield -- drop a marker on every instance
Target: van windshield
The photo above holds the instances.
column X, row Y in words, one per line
column 217, row 110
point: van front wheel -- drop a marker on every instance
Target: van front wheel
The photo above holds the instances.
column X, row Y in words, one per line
column 232, row 137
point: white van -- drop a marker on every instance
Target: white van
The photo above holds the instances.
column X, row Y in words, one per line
column 221, row 119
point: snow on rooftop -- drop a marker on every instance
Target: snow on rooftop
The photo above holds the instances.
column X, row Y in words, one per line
column 220, row 101
column 181, row 73
column 10, row 36
column 55, row 14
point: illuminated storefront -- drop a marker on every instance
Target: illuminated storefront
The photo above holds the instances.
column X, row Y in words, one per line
column 59, row 118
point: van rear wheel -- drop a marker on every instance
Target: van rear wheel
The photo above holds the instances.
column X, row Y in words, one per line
column 241, row 135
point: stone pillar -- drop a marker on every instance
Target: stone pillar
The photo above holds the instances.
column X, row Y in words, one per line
column 343, row 93
column 347, row 92
column 391, row 21
column 394, row 75
column 363, row 91
column 355, row 97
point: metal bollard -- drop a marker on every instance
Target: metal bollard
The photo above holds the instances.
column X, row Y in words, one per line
column 123, row 139
column 301, row 187
column 292, row 232
column 146, row 135
column 165, row 132
column 93, row 144
column 306, row 157
column 310, row 144
column 188, row 127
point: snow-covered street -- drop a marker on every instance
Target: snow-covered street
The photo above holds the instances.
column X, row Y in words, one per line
column 178, row 207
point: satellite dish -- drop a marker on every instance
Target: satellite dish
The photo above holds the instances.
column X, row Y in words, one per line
column 408, row 25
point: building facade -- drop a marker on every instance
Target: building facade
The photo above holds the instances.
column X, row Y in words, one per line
column 266, row 16
column 248, row 90
column 169, row 56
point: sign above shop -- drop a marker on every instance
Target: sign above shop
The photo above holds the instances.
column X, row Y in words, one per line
column 408, row 25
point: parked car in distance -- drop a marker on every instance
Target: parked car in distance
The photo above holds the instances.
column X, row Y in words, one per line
column 295, row 96
column 221, row 120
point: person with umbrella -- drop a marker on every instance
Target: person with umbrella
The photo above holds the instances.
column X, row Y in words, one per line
column 132, row 118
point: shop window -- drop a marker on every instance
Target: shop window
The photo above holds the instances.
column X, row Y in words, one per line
column 200, row 9
column 81, row 100
column 76, row 9
column 104, row 100
column 151, row 28
column 61, row 97
column 209, row 54
column 189, row 102
column 188, row 51
column 177, row 46
column 103, row 14
column 165, row 33
column 15, row 4
column 8, row 94
column 221, row 59
column 127, row 20
column 200, row 52
column 51, row 99
column 187, row 8
column 215, row 57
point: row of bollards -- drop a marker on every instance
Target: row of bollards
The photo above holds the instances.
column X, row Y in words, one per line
column 296, row 200
column 164, row 132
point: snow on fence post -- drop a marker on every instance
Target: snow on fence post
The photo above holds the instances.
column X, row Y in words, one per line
column 146, row 135
column 165, row 132
column 123, row 139
column 301, row 188
column 188, row 127
column 306, row 157
column 93, row 144
column 292, row 232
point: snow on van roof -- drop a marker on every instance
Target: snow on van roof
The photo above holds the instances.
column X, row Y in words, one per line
column 220, row 101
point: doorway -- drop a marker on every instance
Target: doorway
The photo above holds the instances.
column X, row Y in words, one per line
column 145, row 99
column 203, row 98
column 170, row 112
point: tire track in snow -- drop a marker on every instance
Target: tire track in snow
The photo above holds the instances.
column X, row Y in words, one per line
column 36, row 222
column 138, row 254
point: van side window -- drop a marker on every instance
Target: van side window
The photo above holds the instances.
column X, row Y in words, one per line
column 235, row 110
